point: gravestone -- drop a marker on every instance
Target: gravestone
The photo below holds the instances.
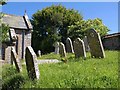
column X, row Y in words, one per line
column 14, row 58
column 62, row 50
column 95, row 44
column 79, row 48
column 39, row 53
column 85, row 40
column 13, row 35
column 69, row 46
column 31, row 63
column 56, row 47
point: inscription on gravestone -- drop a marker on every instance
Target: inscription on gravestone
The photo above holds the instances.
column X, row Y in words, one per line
column 95, row 44
column 31, row 63
column 79, row 48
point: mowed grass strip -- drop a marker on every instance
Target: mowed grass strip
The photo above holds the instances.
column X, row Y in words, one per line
column 77, row 73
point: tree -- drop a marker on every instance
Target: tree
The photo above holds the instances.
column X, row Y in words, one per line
column 5, row 33
column 51, row 25
column 79, row 28
column 3, row 2
column 3, row 28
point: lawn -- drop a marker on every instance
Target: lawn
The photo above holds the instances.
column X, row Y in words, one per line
column 76, row 73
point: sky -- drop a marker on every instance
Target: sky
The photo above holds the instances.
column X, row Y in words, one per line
column 107, row 11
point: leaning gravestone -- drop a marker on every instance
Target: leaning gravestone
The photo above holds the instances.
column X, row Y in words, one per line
column 96, row 47
column 62, row 50
column 31, row 63
column 85, row 40
column 79, row 48
column 14, row 58
column 69, row 46
column 13, row 35
column 56, row 47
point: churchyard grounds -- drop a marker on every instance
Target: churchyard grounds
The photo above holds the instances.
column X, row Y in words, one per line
column 75, row 73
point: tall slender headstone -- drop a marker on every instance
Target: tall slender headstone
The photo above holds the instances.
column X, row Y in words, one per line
column 79, row 48
column 62, row 50
column 95, row 43
column 14, row 58
column 69, row 46
column 39, row 53
column 31, row 63
column 13, row 35
column 85, row 40
column 56, row 45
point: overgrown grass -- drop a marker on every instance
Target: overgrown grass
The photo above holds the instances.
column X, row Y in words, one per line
column 76, row 73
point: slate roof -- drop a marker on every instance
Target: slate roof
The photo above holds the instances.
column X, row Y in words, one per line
column 20, row 22
column 112, row 35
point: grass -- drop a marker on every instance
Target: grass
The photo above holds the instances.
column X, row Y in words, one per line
column 55, row 56
column 76, row 73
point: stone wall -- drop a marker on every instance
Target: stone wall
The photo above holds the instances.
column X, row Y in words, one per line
column 24, row 40
column 6, row 53
column 27, row 40
column 19, row 45
column 112, row 43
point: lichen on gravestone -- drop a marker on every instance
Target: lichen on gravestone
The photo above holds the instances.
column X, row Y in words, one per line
column 95, row 44
column 79, row 48
column 31, row 63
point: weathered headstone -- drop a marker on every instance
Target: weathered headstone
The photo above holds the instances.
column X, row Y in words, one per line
column 85, row 40
column 31, row 63
column 62, row 50
column 13, row 35
column 39, row 53
column 79, row 48
column 56, row 47
column 14, row 58
column 7, row 54
column 96, row 47
column 69, row 46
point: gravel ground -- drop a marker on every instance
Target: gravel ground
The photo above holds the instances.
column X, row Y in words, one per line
column 42, row 61
column 48, row 61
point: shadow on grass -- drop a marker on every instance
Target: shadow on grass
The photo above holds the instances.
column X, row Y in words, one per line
column 13, row 83
column 11, row 79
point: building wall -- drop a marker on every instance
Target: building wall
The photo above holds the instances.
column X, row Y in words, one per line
column 27, row 39
column 19, row 44
column 112, row 43
column 24, row 40
column 6, row 53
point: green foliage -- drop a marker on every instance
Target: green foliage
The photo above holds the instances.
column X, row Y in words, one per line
column 5, row 33
column 80, row 28
column 3, row 2
column 76, row 73
column 56, row 23
column 11, row 79
column 51, row 25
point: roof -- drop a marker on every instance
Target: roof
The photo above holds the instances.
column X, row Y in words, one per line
column 112, row 35
column 20, row 22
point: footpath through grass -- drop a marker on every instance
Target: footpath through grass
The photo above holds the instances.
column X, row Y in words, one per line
column 76, row 73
